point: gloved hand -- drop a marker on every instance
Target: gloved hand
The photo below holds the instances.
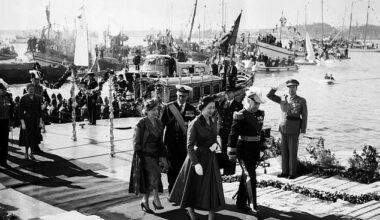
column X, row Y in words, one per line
column 198, row 169
column 232, row 158
column 23, row 126
column 279, row 86
column 213, row 147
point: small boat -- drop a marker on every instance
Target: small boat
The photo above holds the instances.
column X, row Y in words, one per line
column 164, row 87
column 330, row 81
column 260, row 67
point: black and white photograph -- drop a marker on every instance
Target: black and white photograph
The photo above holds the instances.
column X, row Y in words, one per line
column 189, row 109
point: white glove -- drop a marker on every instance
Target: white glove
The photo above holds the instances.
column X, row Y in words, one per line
column 280, row 86
column 213, row 147
column 301, row 135
column 198, row 169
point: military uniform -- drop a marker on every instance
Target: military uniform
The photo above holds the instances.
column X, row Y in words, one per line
column 92, row 98
column 6, row 118
column 245, row 141
column 226, row 110
column 294, row 122
column 175, row 139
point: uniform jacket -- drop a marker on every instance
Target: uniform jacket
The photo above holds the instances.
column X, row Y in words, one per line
column 226, row 114
column 294, row 113
column 6, row 107
column 250, row 124
column 173, row 133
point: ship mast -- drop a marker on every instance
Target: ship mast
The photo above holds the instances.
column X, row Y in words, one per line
column 322, row 20
column 192, row 22
column 366, row 26
column 349, row 29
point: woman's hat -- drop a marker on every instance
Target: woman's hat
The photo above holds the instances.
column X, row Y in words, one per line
column 255, row 94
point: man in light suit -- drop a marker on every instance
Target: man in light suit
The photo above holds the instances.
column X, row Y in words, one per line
column 292, row 126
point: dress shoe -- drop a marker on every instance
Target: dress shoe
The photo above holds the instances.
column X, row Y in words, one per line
column 291, row 177
column 244, row 207
column 145, row 208
column 156, row 206
column 282, row 175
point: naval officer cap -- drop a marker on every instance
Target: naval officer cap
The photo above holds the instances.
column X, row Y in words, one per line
column 255, row 94
column 183, row 89
column 292, row 82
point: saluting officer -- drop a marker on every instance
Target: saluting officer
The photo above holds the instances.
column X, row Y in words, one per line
column 175, row 116
column 92, row 97
column 293, row 124
column 6, row 118
column 226, row 109
column 245, row 142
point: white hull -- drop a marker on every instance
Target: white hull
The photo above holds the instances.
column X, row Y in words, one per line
column 260, row 67
column 274, row 51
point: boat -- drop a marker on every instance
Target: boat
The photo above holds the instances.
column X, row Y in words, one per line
column 274, row 51
column 260, row 67
column 157, row 65
column 164, row 87
column 18, row 73
column 310, row 58
column 330, row 81
column 7, row 53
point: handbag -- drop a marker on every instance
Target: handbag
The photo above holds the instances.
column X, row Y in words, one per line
column 222, row 158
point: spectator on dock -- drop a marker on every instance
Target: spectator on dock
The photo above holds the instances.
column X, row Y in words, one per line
column 31, row 122
column 6, row 119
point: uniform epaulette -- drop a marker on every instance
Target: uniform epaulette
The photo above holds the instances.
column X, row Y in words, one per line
column 238, row 115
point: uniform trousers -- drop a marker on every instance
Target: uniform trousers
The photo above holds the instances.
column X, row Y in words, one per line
column 4, row 138
column 243, row 198
column 175, row 159
column 230, row 167
column 289, row 149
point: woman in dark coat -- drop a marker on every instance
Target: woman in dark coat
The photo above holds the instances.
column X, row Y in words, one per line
column 199, row 184
column 149, row 150
column 30, row 114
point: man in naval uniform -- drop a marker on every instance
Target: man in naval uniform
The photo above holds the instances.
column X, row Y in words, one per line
column 226, row 109
column 245, row 142
column 175, row 116
column 292, row 126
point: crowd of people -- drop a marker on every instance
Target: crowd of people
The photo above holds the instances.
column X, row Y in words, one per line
column 269, row 39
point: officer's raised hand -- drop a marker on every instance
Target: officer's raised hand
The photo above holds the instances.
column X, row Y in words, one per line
column 279, row 86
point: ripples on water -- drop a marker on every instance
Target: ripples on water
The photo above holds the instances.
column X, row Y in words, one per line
column 346, row 114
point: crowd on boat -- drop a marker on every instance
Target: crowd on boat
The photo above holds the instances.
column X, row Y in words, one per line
column 269, row 39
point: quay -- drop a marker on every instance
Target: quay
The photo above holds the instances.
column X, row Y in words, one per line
column 80, row 180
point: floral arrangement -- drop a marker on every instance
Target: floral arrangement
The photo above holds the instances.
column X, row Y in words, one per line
column 322, row 156
column 313, row 193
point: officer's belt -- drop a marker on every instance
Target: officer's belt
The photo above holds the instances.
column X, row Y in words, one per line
column 249, row 138
column 293, row 118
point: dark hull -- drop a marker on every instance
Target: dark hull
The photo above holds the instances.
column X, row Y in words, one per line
column 110, row 63
column 19, row 73
column 46, row 59
column 7, row 56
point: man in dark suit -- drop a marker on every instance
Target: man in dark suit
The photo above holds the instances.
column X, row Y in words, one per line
column 175, row 116
column 292, row 126
column 92, row 97
column 226, row 109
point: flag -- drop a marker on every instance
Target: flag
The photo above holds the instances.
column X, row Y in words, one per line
column 234, row 31
column 283, row 19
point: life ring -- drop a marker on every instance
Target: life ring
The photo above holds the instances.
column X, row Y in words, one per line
column 300, row 49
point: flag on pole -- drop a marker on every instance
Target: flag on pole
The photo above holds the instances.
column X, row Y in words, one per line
column 283, row 19
column 235, row 30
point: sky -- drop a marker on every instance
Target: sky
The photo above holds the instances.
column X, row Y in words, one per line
column 176, row 14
